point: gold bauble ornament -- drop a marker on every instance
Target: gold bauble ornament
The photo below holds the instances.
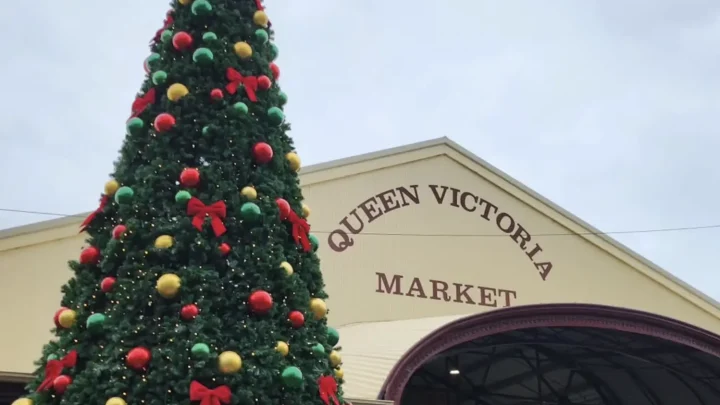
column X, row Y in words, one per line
column 288, row 268
column 294, row 161
column 335, row 358
column 282, row 348
column 184, row 3
column 229, row 362
column 261, row 18
column 168, row 285
column 339, row 373
column 164, row 242
column 67, row 318
column 111, row 187
column 177, row 91
column 115, row 401
column 249, row 192
column 23, row 401
column 243, row 50
column 318, row 308
column 305, row 211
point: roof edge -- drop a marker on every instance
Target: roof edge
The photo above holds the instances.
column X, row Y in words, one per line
column 41, row 226
column 383, row 153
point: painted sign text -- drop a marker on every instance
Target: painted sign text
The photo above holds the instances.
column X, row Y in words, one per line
column 396, row 198
column 396, row 284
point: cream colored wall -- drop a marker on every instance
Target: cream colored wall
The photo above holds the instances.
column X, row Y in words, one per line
column 34, row 266
column 581, row 272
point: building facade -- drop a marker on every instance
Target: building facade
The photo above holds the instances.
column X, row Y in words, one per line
column 412, row 239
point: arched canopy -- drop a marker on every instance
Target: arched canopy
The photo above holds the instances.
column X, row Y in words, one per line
column 664, row 361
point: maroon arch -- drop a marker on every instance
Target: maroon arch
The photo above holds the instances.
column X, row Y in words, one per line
column 537, row 316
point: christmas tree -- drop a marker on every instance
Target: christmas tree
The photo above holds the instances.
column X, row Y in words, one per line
column 200, row 283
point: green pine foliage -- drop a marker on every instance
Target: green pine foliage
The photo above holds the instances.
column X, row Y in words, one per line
column 156, row 298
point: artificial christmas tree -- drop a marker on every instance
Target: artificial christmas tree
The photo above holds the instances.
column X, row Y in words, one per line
column 200, row 283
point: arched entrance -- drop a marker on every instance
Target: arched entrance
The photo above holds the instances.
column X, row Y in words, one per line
column 560, row 354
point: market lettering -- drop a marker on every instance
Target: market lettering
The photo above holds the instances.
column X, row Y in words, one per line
column 445, row 291
column 396, row 198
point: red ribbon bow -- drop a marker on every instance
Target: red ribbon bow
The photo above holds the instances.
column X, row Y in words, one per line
column 328, row 390
column 216, row 211
column 250, row 83
column 300, row 230
column 141, row 103
column 169, row 20
column 54, row 368
column 207, row 396
column 103, row 202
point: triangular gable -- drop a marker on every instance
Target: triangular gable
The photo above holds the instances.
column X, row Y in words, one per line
column 333, row 174
column 315, row 176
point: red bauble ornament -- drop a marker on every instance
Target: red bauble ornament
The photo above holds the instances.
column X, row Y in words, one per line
column 182, row 41
column 284, row 207
column 297, row 319
column 260, row 302
column 262, row 152
column 90, row 255
column 119, row 231
column 275, row 70
column 57, row 315
column 138, row 358
column 60, row 383
column 224, row 249
column 164, row 122
column 190, row 177
column 216, row 94
column 106, row 285
column 264, row 82
column 189, row 312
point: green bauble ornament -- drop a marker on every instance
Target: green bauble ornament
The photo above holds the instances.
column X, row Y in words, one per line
column 275, row 115
column 159, row 77
column 200, row 350
column 52, row 357
column 95, row 322
column 333, row 336
column 209, row 37
column 182, row 197
column 166, row 36
column 283, row 98
column 151, row 60
column 124, row 195
column 262, row 36
column 318, row 349
column 274, row 51
column 314, row 242
column 203, row 55
column 250, row 211
column 206, row 130
column 292, row 377
column 240, row 108
column 201, row 7
column 134, row 125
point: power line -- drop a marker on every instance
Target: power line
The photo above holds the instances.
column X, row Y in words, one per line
column 51, row 214
column 472, row 235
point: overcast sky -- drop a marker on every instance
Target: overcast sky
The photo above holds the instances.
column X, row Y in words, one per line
column 609, row 108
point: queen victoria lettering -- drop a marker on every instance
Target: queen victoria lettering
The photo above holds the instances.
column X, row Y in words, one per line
column 400, row 197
